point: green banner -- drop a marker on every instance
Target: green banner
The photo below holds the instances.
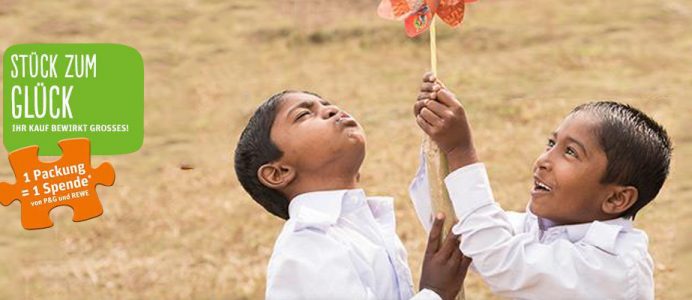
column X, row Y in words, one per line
column 53, row 92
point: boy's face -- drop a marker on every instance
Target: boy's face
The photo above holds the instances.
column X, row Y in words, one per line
column 316, row 137
column 567, row 188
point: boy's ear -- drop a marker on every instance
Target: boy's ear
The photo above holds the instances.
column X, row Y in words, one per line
column 622, row 198
column 275, row 175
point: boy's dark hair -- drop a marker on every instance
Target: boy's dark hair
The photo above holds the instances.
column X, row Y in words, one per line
column 637, row 148
column 255, row 148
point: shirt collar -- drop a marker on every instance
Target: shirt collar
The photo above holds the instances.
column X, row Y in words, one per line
column 322, row 209
column 382, row 209
column 602, row 234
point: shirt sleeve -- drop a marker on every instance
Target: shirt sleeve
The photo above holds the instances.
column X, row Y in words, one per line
column 519, row 265
column 426, row 294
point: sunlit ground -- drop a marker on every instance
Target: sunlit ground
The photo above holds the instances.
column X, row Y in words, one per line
column 518, row 67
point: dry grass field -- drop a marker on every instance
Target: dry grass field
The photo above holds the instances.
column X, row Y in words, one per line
column 518, row 66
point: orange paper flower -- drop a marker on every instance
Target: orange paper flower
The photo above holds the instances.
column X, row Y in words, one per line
column 418, row 14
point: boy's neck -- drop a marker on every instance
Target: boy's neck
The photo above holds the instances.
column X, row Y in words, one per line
column 315, row 184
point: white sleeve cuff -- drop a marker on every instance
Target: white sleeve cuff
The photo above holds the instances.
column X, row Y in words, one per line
column 426, row 294
column 469, row 189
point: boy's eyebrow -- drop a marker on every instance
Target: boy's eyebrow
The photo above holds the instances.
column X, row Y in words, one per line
column 571, row 139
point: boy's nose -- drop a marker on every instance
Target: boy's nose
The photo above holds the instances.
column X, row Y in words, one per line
column 329, row 112
column 543, row 162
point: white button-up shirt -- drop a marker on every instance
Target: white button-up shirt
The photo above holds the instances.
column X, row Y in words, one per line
column 340, row 245
column 519, row 257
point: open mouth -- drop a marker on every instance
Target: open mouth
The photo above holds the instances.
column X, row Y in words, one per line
column 540, row 186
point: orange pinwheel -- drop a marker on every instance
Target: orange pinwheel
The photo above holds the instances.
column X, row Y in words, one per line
column 418, row 14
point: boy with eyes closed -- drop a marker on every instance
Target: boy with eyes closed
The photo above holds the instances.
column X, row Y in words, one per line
column 602, row 164
column 299, row 157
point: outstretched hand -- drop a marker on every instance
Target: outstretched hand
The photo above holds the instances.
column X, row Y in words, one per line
column 444, row 266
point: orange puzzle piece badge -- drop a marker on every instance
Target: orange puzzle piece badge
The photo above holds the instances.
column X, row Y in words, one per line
column 68, row 181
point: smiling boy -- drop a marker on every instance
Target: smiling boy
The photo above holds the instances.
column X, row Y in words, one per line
column 602, row 164
column 299, row 157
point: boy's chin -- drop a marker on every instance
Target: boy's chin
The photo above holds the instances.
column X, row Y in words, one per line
column 547, row 216
column 538, row 210
column 357, row 137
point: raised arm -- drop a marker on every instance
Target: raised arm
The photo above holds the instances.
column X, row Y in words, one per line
column 520, row 266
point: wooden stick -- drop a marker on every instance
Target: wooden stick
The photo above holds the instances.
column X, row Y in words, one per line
column 433, row 47
column 437, row 165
